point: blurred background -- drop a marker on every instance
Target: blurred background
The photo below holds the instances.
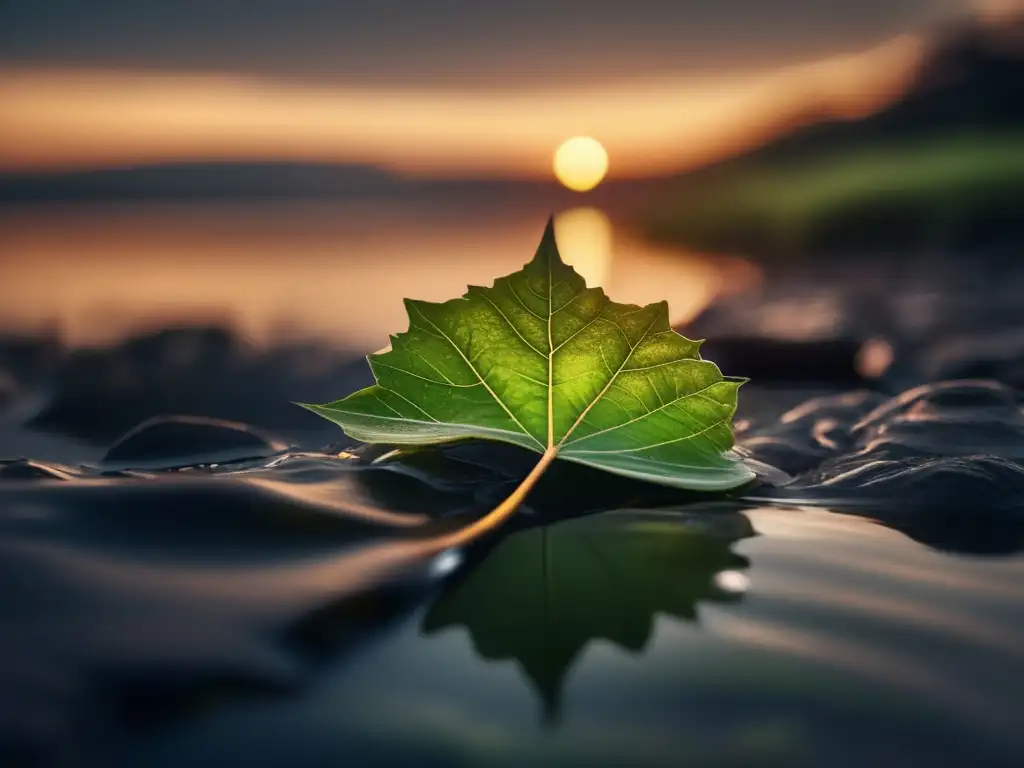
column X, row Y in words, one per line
column 199, row 182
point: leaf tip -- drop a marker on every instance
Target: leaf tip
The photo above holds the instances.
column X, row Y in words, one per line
column 549, row 228
column 548, row 248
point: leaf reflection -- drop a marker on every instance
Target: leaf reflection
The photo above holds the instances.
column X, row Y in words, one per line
column 541, row 594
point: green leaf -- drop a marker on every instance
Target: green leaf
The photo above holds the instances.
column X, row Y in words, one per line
column 605, row 576
column 543, row 362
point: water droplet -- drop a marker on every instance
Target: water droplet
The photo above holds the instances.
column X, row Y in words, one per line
column 732, row 581
column 445, row 563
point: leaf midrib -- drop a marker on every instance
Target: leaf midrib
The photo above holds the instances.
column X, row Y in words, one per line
column 551, row 358
column 487, row 386
column 551, row 445
column 663, row 406
column 607, row 386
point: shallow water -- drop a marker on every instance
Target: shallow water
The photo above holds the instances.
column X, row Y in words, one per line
column 336, row 271
column 193, row 591
column 296, row 608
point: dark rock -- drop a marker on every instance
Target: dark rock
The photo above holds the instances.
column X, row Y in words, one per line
column 177, row 441
column 774, row 360
column 98, row 394
column 26, row 469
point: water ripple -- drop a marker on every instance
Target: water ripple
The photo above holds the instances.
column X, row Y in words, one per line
column 943, row 462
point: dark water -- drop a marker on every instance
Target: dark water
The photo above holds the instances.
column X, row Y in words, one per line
column 192, row 591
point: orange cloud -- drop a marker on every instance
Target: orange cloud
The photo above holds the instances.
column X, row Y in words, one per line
column 76, row 119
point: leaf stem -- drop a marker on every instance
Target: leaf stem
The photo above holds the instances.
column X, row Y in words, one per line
column 498, row 515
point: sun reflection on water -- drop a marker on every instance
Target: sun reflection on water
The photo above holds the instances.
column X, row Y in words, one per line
column 323, row 270
column 585, row 242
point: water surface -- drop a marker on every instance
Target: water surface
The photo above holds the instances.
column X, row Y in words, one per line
column 198, row 573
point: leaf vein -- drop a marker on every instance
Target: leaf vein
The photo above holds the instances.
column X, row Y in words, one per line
column 512, row 290
column 660, row 365
column 446, row 383
column 410, row 402
column 510, row 324
column 438, row 371
column 497, row 399
column 579, row 331
column 656, row 445
column 611, row 380
column 697, row 393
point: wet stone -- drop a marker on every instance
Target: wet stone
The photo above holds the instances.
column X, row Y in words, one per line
column 971, row 486
column 933, row 456
column 791, row 455
column 971, row 398
column 805, row 436
column 26, row 469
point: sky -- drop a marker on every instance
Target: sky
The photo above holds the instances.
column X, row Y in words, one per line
column 441, row 87
column 449, row 43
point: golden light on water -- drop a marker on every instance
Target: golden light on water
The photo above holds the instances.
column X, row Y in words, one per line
column 580, row 163
column 96, row 276
column 585, row 241
column 637, row 272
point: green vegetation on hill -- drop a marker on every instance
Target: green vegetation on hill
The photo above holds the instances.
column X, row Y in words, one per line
column 948, row 192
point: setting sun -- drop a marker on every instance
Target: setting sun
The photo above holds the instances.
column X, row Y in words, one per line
column 580, row 163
